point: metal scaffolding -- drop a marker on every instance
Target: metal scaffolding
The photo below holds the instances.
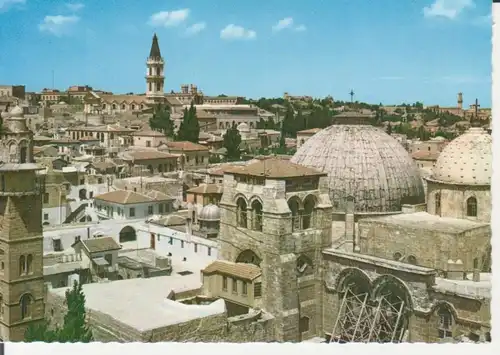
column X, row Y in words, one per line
column 361, row 319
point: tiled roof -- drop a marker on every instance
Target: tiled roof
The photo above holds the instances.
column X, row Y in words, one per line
column 239, row 270
column 148, row 133
column 186, row 146
column 274, row 168
column 147, row 155
column 102, row 244
column 127, row 197
column 206, row 189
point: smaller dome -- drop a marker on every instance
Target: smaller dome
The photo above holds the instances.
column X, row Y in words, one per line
column 209, row 213
column 467, row 160
column 243, row 127
column 15, row 112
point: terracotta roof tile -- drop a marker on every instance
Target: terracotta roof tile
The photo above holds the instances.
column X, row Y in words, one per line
column 239, row 270
column 206, row 189
column 274, row 168
column 147, row 155
column 186, row 146
column 102, row 244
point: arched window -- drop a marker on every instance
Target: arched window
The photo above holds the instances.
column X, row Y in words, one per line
column 309, row 211
column 22, row 265
column 412, row 260
column 25, row 304
column 293, row 205
column 471, row 207
column 437, row 203
column 445, row 325
column 397, row 256
column 241, row 213
column 304, row 266
column 29, row 264
column 256, row 216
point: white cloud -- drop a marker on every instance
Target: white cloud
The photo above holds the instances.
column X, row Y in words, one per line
column 196, row 28
column 169, row 18
column 447, row 8
column 287, row 22
column 5, row 4
column 237, row 32
column 58, row 25
column 75, row 6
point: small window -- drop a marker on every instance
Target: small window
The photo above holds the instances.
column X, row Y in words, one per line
column 160, row 208
column 244, row 289
column 171, row 241
column 445, row 323
column 132, row 212
column 150, row 210
column 224, row 282
column 412, row 260
column 235, row 286
column 209, row 251
column 195, row 247
column 45, row 216
column 257, row 289
column 182, row 244
column 46, row 197
column 303, row 324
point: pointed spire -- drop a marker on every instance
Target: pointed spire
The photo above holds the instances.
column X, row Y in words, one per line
column 155, row 48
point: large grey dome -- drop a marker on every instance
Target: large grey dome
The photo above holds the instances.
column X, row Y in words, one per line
column 365, row 163
column 209, row 213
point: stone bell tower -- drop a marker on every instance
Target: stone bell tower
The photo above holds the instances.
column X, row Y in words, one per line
column 21, row 238
column 155, row 78
column 277, row 215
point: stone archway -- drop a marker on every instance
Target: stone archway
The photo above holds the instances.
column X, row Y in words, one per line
column 249, row 257
column 128, row 234
column 375, row 311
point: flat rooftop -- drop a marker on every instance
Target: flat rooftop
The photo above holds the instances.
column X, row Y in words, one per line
column 427, row 221
column 142, row 303
column 466, row 288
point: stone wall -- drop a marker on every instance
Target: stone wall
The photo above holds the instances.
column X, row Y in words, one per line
column 454, row 200
column 469, row 315
column 217, row 328
column 432, row 248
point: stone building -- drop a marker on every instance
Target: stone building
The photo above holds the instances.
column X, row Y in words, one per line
column 276, row 215
column 21, row 239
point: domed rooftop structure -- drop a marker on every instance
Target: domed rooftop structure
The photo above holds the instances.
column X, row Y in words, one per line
column 243, row 127
column 364, row 163
column 467, row 160
column 209, row 213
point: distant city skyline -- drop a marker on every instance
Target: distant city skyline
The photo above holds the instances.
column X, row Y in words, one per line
column 389, row 52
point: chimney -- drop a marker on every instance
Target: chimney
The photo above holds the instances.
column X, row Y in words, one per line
column 189, row 228
column 455, row 270
column 460, row 100
column 476, row 272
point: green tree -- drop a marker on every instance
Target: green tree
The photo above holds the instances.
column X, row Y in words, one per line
column 189, row 129
column 74, row 329
column 288, row 124
column 161, row 121
column 232, row 142
column 261, row 124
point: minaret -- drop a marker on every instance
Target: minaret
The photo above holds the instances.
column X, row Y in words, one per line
column 21, row 238
column 460, row 100
column 154, row 74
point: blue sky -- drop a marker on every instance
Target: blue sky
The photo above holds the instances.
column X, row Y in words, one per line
column 387, row 51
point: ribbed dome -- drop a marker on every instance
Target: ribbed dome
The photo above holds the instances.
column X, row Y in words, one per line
column 209, row 213
column 364, row 162
column 466, row 160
